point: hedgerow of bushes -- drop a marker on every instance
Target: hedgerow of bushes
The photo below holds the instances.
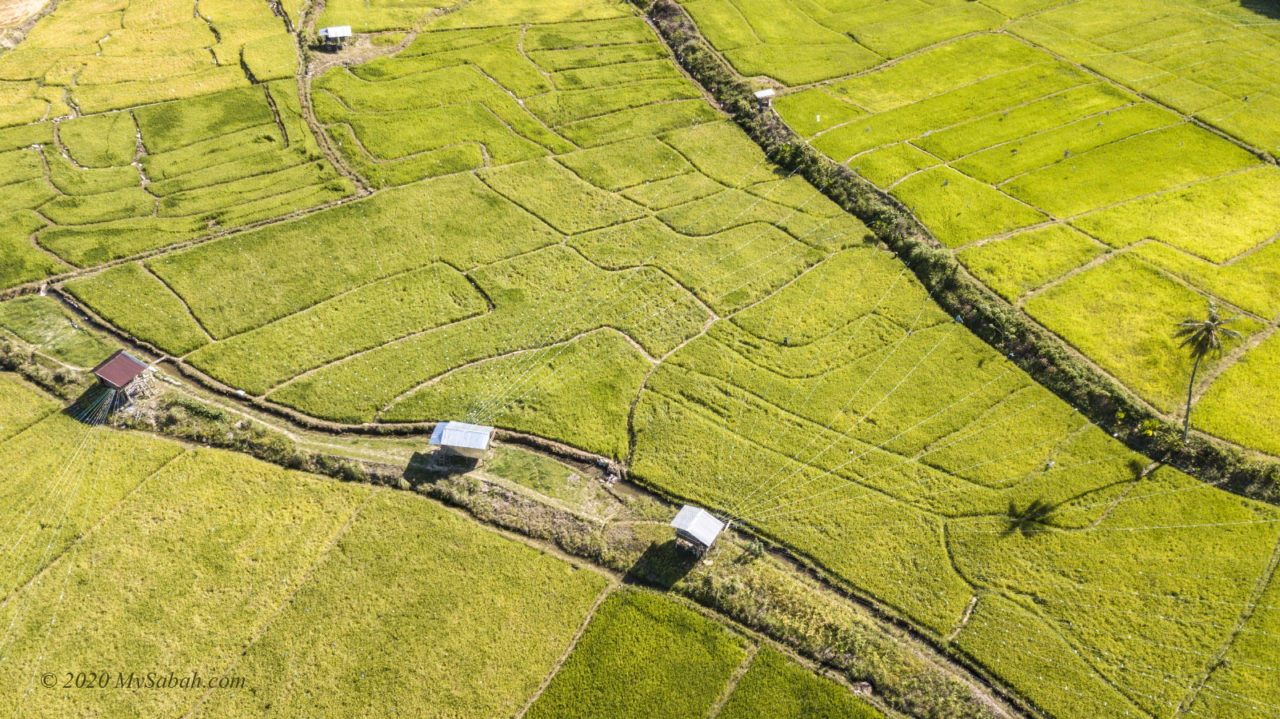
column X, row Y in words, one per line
column 42, row 372
column 185, row 418
column 1002, row 326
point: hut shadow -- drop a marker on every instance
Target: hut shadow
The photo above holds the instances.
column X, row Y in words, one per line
column 663, row 564
column 432, row 467
column 1269, row 8
column 93, row 405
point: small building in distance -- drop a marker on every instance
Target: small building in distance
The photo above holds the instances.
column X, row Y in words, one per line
column 125, row 375
column 764, row 97
column 697, row 528
column 334, row 36
column 460, row 439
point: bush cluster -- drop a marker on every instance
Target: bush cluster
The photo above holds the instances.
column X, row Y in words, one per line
column 194, row 421
column 1026, row 343
column 53, row 377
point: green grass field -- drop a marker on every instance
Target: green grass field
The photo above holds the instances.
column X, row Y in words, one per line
column 562, row 237
column 664, row 215
column 106, row 56
column 127, row 129
column 1240, row 405
column 776, row 687
column 1035, row 138
column 444, row 619
column 983, row 488
column 42, row 322
column 646, row 656
column 183, row 171
column 380, row 602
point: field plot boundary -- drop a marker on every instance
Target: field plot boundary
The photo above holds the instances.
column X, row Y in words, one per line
column 604, row 594
column 302, row 582
column 986, row 311
column 1215, row 662
column 830, row 576
column 4, row 600
column 1205, row 285
column 963, row 672
column 738, row 673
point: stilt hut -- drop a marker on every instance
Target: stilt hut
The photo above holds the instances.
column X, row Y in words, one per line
column 460, row 439
column 124, row 375
column 334, row 37
column 696, row 528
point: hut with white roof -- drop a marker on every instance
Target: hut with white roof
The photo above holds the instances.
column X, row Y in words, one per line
column 697, row 528
column 461, row 439
column 334, row 36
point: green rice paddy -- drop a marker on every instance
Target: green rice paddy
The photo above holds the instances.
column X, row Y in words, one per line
column 1133, row 133
column 561, row 236
column 172, row 557
column 169, row 559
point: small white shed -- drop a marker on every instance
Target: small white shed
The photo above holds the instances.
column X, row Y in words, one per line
column 335, row 35
column 765, row 97
column 697, row 527
column 462, row 439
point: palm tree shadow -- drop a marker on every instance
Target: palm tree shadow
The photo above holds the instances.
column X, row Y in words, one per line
column 1027, row 520
column 1037, row 515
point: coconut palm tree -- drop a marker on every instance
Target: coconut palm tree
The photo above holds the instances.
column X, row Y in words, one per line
column 1202, row 338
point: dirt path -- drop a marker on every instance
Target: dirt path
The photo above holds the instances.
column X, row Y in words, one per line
column 312, row 64
column 964, row 618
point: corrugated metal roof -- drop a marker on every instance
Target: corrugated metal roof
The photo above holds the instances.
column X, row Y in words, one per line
column 698, row 523
column 336, row 31
column 461, row 434
column 764, row 94
column 119, row 369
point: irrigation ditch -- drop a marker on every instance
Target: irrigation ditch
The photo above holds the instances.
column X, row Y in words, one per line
column 780, row 594
column 747, row 580
column 1043, row 355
